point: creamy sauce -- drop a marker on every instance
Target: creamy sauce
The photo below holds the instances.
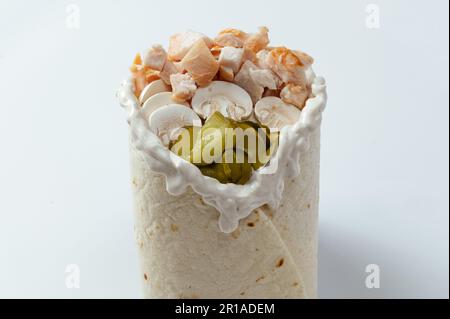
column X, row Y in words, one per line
column 234, row 202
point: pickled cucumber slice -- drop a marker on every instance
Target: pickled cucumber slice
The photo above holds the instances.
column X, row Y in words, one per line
column 215, row 171
column 229, row 160
column 229, row 172
column 233, row 169
column 209, row 147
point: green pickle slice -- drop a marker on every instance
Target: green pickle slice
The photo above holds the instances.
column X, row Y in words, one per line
column 237, row 172
column 215, row 171
column 229, row 161
column 212, row 139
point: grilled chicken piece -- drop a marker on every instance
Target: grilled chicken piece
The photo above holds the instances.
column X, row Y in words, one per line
column 295, row 94
column 183, row 86
column 200, row 63
column 155, row 58
column 181, row 43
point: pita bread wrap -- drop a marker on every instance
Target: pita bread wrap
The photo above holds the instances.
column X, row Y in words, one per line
column 184, row 254
column 198, row 238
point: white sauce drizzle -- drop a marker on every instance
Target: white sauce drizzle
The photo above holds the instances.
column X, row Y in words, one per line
column 234, row 202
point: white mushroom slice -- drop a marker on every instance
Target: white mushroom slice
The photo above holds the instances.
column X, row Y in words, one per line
column 227, row 98
column 157, row 101
column 274, row 113
column 153, row 88
column 168, row 121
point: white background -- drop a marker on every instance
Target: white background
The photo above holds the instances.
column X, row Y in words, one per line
column 64, row 166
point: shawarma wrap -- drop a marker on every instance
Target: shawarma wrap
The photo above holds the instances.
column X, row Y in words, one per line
column 224, row 227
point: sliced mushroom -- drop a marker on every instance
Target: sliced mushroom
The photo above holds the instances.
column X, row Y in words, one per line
column 157, row 101
column 153, row 88
column 168, row 121
column 275, row 114
column 224, row 97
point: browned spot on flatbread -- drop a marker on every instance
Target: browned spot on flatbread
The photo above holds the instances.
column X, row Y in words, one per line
column 268, row 211
column 295, row 284
column 260, row 278
column 236, row 234
column 242, row 293
column 280, row 263
column 309, row 206
column 145, row 277
column 174, row 227
column 251, row 224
